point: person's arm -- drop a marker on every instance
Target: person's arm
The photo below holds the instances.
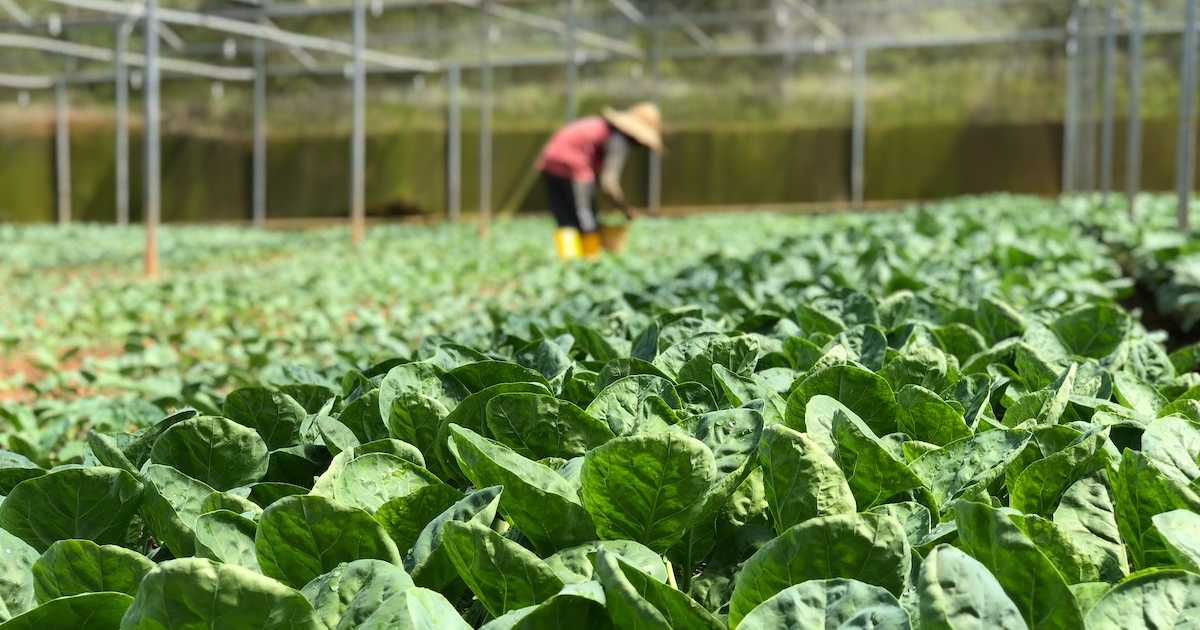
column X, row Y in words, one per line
column 583, row 191
column 616, row 152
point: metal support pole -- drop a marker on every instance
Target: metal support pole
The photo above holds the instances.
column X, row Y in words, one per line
column 259, row 166
column 1071, row 115
column 153, row 197
column 859, row 134
column 572, row 67
column 654, row 189
column 1088, row 85
column 1185, row 149
column 1109, row 102
column 62, row 150
column 485, row 118
column 1133, row 166
column 454, row 142
column 358, row 152
column 122, row 105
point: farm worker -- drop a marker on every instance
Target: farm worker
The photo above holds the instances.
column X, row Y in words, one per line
column 583, row 151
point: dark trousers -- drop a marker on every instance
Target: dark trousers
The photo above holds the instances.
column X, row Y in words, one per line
column 566, row 211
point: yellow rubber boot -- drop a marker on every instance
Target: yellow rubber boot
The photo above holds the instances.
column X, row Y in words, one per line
column 567, row 243
column 593, row 244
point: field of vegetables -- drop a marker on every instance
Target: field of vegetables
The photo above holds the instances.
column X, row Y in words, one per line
column 942, row 418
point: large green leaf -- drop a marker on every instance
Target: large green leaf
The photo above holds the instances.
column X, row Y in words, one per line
column 538, row 426
column 86, row 611
column 637, row 403
column 637, row 600
column 369, row 481
column 228, row 537
column 731, row 434
column 17, row 558
column 1151, row 600
column 336, row 436
column 503, row 575
column 484, row 374
column 217, row 451
column 870, row 548
column 1087, row 517
column 1173, row 445
column 363, row 418
column 740, row 390
column 472, row 414
column 956, row 592
column 173, row 501
column 346, row 596
column 199, row 593
column 1073, row 563
column 415, row 609
column 405, row 516
column 427, row 559
column 973, row 462
column 577, row 606
column 95, row 503
column 15, row 468
column 873, row 472
column 301, row 537
column 276, row 416
column 865, row 393
column 692, row 359
column 800, row 480
column 832, row 603
column 925, row 416
column 531, row 491
column 74, row 567
column 647, row 488
column 416, row 418
column 1041, row 485
column 997, row 320
column 577, row 564
column 1140, row 491
column 424, row 379
column 1094, row 330
column 1180, row 530
column 1026, row 574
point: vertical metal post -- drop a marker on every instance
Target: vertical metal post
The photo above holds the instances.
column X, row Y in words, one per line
column 1185, row 148
column 654, row 189
column 1109, row 102
column 122, row 105
column 62, row 150
column 358, row 149
column 858, row 145
column 572, row 68
column 454, row 142
column 153, row 196
column 1133, row 166
column 485, row 118
column 1086, row 134
column 1071, row 115
column 259, row 166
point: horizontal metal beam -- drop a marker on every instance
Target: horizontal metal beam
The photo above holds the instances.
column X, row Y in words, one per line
column 593, row 57
column 553, row 25
column 106, row 55
column 26, row 81
column 870, row 43
column 257, row 31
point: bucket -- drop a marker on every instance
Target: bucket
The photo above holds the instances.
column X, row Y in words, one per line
column 614, row 237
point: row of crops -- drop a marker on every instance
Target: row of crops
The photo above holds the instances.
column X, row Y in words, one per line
column 941, row 418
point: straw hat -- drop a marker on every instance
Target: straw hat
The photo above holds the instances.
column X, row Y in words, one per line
column 642, row 122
